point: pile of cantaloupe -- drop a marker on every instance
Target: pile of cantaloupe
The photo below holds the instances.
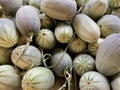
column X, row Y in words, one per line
column 59, row 45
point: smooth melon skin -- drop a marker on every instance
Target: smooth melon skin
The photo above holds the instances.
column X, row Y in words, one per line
column 26, row 57
column 90, row 8
column 63, row 32
column 59, row 9
column 93, row 80
column 108, row 55
column 38, row 78
column 86, row 28
column 10, row 6
column 27, row 20
column 10, row 78
column 83, row 63
column 46, row 39
column 61, row 60
column 8, row 33
column 109, row 24
column 115, row 82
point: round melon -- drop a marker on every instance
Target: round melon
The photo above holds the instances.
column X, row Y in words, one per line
column 93, row 80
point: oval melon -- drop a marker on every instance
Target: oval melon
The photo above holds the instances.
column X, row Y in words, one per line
column 108, row 55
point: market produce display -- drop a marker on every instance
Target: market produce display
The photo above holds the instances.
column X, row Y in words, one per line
column 59, row 44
